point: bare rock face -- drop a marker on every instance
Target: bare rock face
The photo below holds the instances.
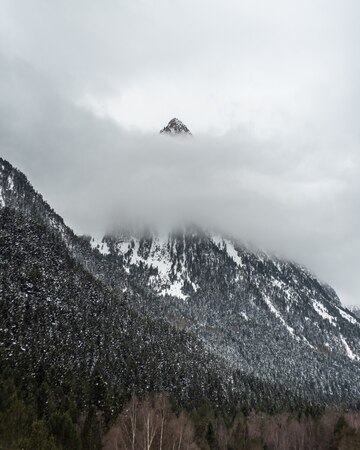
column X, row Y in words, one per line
column 175, row 127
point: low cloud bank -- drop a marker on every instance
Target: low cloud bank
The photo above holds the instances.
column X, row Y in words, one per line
column 298, row 199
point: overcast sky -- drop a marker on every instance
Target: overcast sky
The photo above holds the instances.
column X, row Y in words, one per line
column 270, row 90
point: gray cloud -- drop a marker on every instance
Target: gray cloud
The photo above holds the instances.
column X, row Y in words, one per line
column 270, row 94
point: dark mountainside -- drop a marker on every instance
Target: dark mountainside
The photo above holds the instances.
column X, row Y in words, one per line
column 223, row 330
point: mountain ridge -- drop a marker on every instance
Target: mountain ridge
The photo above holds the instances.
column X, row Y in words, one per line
column 238, row 303
column 58, row 323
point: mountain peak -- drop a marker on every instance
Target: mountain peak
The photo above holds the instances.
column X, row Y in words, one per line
column 176, row 127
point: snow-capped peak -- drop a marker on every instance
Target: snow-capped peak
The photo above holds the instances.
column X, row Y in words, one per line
column 175, row 127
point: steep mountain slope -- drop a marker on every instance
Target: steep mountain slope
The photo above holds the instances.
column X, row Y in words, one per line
column 16, row 192
column 56, row 316
column 59, row 324
column 269, row 318
column 266, row 316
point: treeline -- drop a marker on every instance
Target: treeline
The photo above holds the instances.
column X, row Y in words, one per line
column 50, row 418
column 152, row 423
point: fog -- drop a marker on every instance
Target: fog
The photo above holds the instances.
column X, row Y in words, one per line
column 270, row 95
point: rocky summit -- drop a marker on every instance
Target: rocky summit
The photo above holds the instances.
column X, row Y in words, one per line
column 176, row 127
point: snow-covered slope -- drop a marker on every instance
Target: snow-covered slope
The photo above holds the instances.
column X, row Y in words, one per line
column 264, row 315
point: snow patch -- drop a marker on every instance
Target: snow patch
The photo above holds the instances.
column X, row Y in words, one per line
column 349, row 352
column 323, row 312
column 195, row 286
column 233, row 253
column 278, row 315
column 102, row 247
column 218, row 241
column 348, row 317
column 158, row 258
column 2, row 201
column 123, row 247
column 228, row 246
column 244, row 316
column 10, row 183
column 174, row 290
column 277, row 283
